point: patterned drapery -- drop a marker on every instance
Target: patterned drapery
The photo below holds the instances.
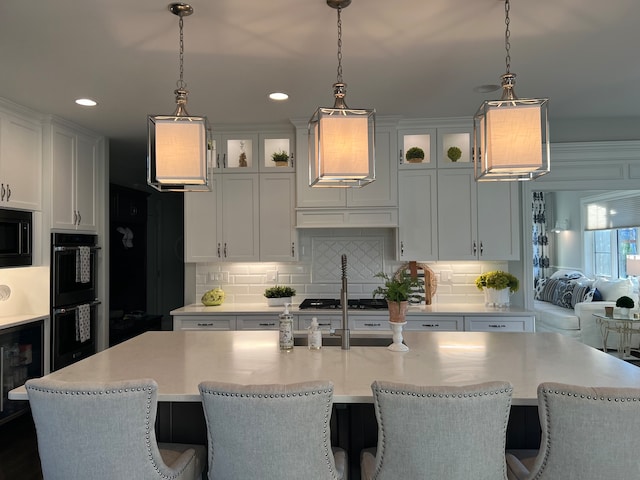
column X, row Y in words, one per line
column 540, row 239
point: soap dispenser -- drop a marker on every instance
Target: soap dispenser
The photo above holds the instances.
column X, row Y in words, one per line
column 314, row 335
column 286, row 329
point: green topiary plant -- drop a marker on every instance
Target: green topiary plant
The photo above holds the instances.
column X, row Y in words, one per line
column 625, row 302
column 280, row 156
column 396, row 288
column 279, row 292
column 498, row 280
column 415, row 154
column 454, row 154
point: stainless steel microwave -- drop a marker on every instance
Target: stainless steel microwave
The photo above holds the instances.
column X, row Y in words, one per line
column 15, row 238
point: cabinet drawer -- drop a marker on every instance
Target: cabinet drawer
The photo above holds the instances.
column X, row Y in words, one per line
column 498, row 324
column 267, row 322
column 434, row 324
column 325, row 322
column 371, row 323
column 204, row 323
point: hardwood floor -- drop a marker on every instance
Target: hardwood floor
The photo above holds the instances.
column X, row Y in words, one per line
column 19, row 450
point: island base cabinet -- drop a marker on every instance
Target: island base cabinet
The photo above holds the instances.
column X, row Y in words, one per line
column 499, row 324
column 21, row 358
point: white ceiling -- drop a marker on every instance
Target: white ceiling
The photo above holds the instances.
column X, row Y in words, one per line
column 414, row 58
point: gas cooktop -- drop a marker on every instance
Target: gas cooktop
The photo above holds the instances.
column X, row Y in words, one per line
column 358, row 304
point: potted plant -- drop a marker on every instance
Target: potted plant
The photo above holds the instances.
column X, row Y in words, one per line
column 396, row 291
column 454, row 154
column 281, row 158
column 498, row 287
column 279, row 295
column 625, row 304
column 414, row 155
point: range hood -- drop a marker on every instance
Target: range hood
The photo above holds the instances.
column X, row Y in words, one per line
column 347, row 218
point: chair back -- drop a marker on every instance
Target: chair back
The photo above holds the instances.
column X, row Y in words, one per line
column 98, row 431
column 441, row 432
column 269, row 431
column 587, row 433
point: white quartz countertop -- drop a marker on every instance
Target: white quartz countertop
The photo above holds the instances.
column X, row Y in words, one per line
column 178, row 361
column 261, row 308
column 14, row 320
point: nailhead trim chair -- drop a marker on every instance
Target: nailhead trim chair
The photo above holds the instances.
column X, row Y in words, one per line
column 271, row 432
column 451, row 433
column 587, row 434
column 103, row 431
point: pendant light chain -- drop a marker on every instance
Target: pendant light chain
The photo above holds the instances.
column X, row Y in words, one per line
column 181, row 83
column 339, row 45
column 507, row 35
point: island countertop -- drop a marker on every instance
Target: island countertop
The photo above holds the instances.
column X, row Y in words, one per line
column 178, row 361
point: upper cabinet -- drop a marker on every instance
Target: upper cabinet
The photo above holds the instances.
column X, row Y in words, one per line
column 74, row 157
column 418, row 214
column 431, row 147
column 277, row 153
column 477, row 221
column 20, row 162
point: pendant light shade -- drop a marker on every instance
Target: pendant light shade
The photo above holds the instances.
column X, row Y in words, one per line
column 341, row 139
column 511, row 135
column 178, row 144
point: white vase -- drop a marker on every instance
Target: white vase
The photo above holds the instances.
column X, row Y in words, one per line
column 277, row 302
column 624, row 312
column 497, row 298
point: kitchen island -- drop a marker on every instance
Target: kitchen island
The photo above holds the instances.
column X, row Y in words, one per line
column 178, row 361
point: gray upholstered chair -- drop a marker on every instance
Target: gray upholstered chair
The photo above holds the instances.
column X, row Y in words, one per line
column 271, row 431
column 451, row 433
column 105, row 431
column 587, row 434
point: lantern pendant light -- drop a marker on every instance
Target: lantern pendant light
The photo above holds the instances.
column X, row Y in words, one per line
column 511, row 135
column 341, row 139
column 179, row 145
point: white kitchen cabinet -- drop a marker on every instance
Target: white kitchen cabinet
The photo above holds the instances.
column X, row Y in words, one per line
column 435, row 142
column 434, row 323
column 258, row 322
column 418, row 213
column 271, row 143
column 381, row 193
column 476, row 221
column 235, row 152
column 74, row 170
column 20, row 162
column 204, row 322
column 223, row 225
column 499, row 323
column 278, row 235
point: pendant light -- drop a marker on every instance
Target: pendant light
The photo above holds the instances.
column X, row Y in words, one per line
column 341, row 139
column 511, row 135
column 178, row 144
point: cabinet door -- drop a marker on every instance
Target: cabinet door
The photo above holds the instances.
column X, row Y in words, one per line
column 499, row 323
column 258, row 322
column 383, row 192
column 434, row 323
column 498, row 221
column 63, row 148
column 240, row 152
column 277, row 219
column 418, row 210
column 412, row 141
column 204, row 322
column 86, row 179
column 20, row 163
column 271, row 143
column 454, row 147
column 203, row 224
column 240, row 217
column 457, row 215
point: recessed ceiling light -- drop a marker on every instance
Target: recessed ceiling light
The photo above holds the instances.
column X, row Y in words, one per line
column 86, row 102
column 279, row 96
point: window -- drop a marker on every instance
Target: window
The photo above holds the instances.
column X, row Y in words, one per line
column 609, row 250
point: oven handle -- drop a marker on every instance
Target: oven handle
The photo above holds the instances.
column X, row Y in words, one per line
column 66, row 249
column 71, row 309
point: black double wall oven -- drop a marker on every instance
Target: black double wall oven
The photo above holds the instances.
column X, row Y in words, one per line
column 74, row 297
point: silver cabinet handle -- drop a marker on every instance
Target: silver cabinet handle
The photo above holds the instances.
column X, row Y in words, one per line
column 430, row 324
column 293, row 249
column 475, row 249
column 496, row 325
column 402, row 248
column 8, row 192
column 218, row 249
column 400, row 158
column 372, row 324
column 217, row 160
column 481, row 249
column 203, row 324
column 2, row 192
column 79, row 218
column 267, row 324
column 225, row 249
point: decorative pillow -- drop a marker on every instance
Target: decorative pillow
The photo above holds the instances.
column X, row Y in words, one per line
column 570, row 274
column 558, row 291
column 611, row 290
column 580, row 294
column 539, row 288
